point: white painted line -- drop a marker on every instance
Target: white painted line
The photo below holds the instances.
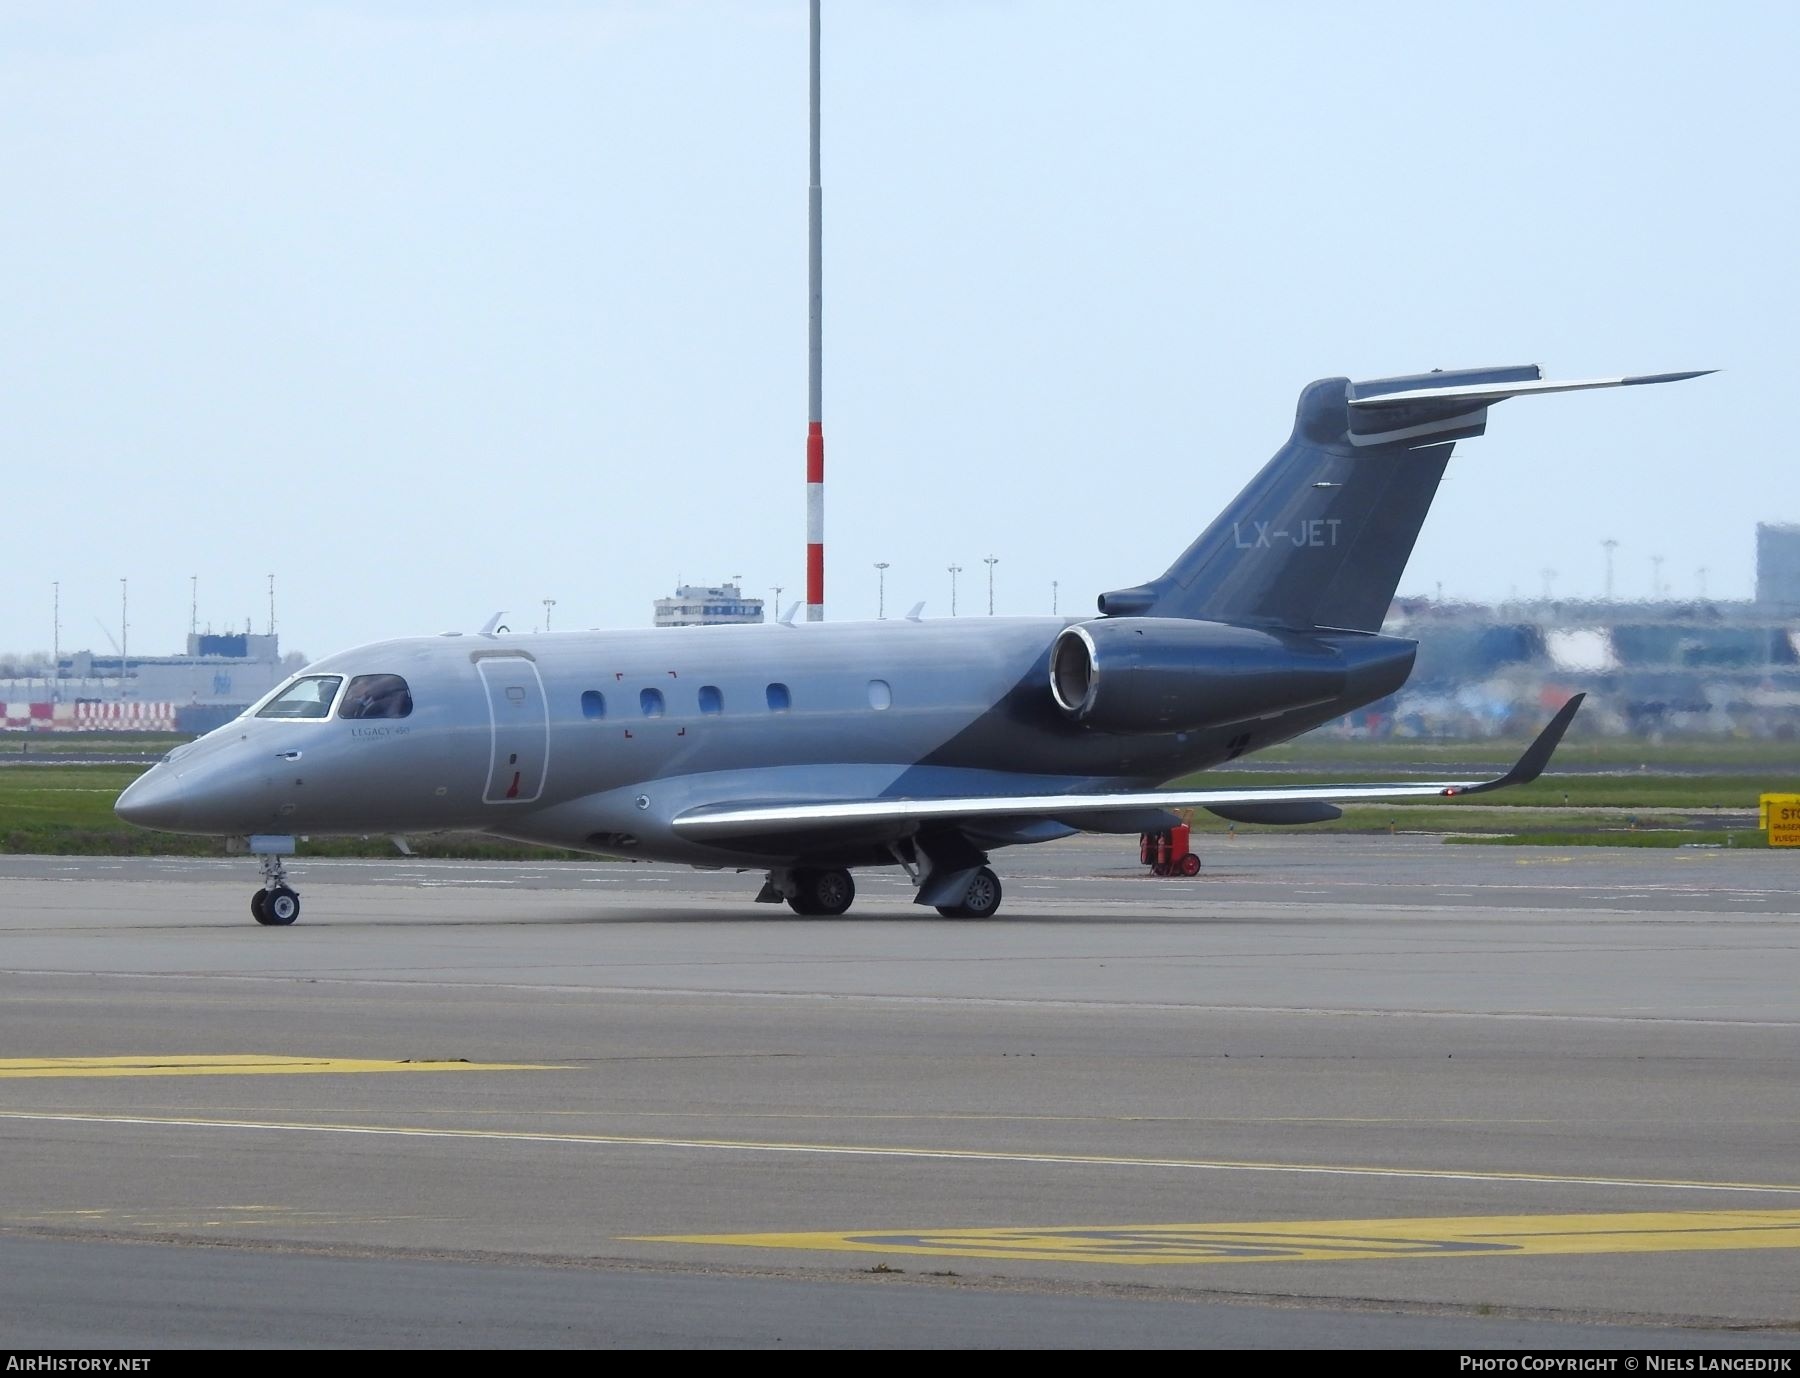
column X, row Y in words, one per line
column 875, row 1151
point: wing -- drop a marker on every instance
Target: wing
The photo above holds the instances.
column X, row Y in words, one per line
column 711, row 822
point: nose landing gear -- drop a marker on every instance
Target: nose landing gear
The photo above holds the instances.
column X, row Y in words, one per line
column 275, row 905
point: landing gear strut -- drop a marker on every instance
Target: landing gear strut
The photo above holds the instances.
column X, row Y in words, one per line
column 274, row 905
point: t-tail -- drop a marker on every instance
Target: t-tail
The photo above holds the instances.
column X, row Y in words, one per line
column 1322, row 535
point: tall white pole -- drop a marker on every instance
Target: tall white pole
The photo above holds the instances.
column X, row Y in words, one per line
column 881, row 569
column 124, row 634
column 815, row 413
column 991, row 561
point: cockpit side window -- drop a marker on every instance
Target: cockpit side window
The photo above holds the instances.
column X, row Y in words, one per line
column 305, row 698
column 376, row 696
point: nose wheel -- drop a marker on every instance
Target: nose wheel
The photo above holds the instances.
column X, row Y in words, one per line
column 275, row 905
column 278, row 907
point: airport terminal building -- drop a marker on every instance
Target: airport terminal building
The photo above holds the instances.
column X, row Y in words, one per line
column 218, row 677
column 707, row 605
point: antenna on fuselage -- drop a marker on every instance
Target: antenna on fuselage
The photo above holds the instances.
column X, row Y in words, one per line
column 787, row 618
column 917, row 608
column 493, row 624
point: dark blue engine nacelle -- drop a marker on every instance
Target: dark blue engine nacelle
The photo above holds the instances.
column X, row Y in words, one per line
column 1170, row 674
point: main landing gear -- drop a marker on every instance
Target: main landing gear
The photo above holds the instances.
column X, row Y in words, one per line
column 815, row 891
column 968, row 890
column 825, row 892
column 275, row 905
column 979, row 901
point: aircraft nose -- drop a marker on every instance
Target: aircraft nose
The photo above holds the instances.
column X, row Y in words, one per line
column 153, row 800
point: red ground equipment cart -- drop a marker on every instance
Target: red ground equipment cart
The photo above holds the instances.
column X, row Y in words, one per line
column 1166, row 853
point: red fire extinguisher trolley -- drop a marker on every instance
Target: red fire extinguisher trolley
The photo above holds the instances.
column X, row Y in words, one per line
column 1166, row 853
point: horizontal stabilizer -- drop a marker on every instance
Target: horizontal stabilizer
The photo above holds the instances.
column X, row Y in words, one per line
column 1429, row 408
column 1499, row 392
column 720, row 822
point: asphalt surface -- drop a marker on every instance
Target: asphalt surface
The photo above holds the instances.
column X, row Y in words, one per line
column 1332, row 1093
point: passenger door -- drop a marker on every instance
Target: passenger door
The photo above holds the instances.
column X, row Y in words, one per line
column 521, row 729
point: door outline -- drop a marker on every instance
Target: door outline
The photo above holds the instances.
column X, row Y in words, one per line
column 509, row 671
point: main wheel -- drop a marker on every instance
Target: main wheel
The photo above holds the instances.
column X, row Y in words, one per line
column 257, row 899
column 281, row 906
column 1190, row 864
column 826, row 893
column 979, row 901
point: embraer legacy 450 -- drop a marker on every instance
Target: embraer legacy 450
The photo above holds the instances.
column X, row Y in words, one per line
column 806, row 751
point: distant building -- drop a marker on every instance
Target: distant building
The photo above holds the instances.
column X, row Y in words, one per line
column 1778, row 567
column 1707, row 668
column 696, row 605
column 219, row 676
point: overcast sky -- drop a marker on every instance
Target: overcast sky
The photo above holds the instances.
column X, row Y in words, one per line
column 434, row 309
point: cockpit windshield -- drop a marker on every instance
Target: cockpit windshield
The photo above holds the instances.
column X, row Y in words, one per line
column 305, row 698
column 376, row 696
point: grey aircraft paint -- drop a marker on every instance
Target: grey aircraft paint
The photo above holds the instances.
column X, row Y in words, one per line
column 805, row 750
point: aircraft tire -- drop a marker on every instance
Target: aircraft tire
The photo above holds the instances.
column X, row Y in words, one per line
column 823, row 893
column 256, row 905
column 1190, row 865
column 982, row 900
column 281, row 907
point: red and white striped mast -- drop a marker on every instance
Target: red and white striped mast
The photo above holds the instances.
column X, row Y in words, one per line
column 815, row 426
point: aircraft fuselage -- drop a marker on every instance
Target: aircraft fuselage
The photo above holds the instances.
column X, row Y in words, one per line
column 597, row 740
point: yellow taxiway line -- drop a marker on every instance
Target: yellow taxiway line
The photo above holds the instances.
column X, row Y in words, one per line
column 234, row 1064
column 1292, row 1241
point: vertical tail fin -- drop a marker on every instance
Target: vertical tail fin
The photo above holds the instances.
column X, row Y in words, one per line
column 1321, row 536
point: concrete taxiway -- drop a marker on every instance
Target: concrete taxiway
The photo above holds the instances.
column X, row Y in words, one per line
column 1332, row 1092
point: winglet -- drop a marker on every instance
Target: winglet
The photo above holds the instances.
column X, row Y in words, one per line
column 1536, row 757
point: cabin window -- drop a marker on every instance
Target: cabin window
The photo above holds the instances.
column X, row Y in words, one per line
column 376, row 696
column 711, row 700
column 304, row 698
column 779, row 702
column 593, row 704
column 651, row 701
column 880, row 696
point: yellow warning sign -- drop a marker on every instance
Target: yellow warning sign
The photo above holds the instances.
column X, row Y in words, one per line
column 1781, row 819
